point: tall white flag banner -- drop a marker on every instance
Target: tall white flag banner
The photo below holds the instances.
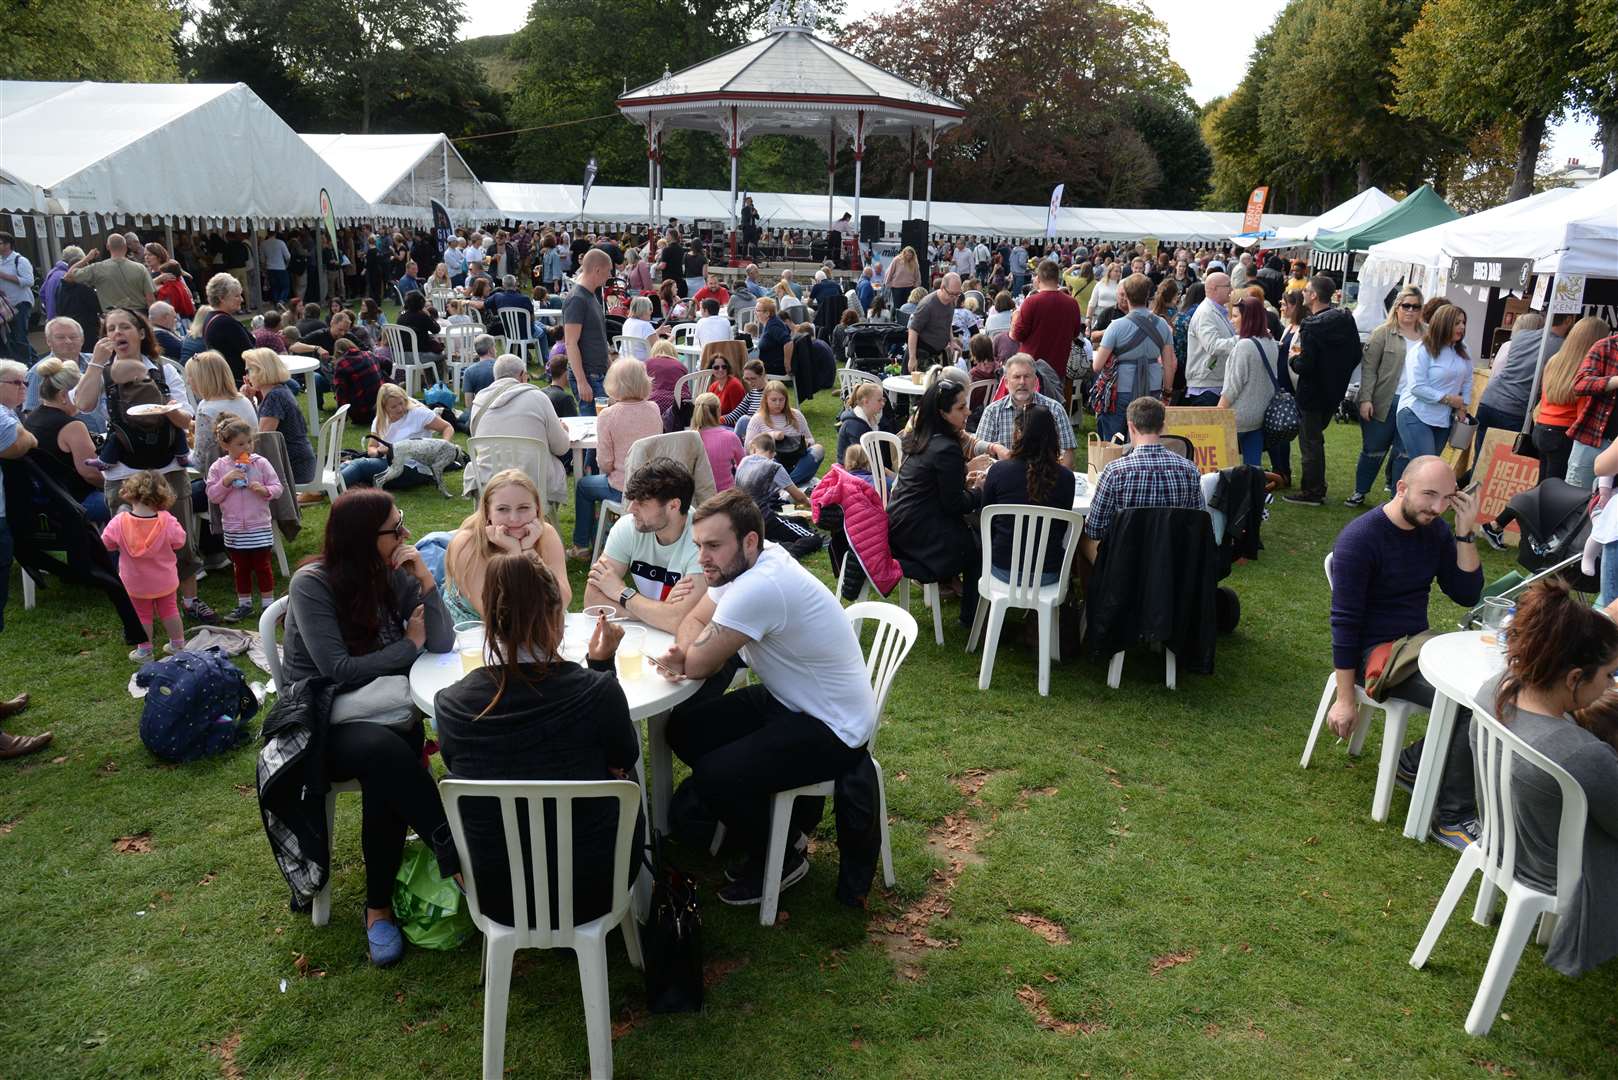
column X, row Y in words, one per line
column 1055, row 208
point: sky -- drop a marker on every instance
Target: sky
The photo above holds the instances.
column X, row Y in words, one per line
column 1211, row 41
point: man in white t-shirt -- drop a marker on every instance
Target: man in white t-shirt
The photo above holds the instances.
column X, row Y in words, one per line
column 648, row 567
column 808, row 718
column 713, row 326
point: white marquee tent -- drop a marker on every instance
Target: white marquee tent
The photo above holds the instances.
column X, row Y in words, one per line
column 627, row 205
column 1345, row 215
column 170, row 151
column 398, row 173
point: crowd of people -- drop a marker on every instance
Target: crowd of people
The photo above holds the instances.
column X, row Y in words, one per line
column 181, row 377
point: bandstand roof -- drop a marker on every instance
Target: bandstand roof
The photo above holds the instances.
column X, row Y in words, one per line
column 788, row 83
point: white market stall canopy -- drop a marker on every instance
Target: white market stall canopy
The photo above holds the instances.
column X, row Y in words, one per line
column 180, row 152
column 401, row 172
column 1363, row 207
column 627, row 206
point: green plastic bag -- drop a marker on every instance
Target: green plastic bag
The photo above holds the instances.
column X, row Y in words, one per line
column 429, row 908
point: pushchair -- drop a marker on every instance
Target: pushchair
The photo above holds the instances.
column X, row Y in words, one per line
column 1554, row 520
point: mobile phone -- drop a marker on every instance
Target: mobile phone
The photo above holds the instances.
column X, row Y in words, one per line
column 1472, row 488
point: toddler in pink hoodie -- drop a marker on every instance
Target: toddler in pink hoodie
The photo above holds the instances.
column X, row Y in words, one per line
column 145, row 536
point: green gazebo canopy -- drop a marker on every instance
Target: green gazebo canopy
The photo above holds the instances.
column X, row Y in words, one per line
column 1421, row 209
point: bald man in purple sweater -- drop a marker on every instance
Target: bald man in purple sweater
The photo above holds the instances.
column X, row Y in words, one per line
column 1383, row 567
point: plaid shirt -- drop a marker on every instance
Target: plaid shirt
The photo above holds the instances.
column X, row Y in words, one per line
column 1149, row 475
column 998, row 424
column 356, row 378
column 1600, row 364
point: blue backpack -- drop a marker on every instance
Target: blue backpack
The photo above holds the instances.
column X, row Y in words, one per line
column 197, row 705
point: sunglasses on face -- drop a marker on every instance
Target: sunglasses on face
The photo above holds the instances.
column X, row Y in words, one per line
column 1409, row 307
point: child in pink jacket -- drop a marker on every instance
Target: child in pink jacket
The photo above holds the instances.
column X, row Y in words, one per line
column 145, row 536
column 242, row 484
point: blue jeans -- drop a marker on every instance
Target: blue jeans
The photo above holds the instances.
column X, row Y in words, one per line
column 363, row 472
column 1581, row 464
column 1113, row 423
column 1417, row 438
column 1609, row 574
column 95, row 505
column 804, row 471
column 17, row 343
column 1003, row 573
column 598, row 390
column 280, row 285
column 1377, row 438
column 1251, row 446
column 588, row 491
column 1488, row 417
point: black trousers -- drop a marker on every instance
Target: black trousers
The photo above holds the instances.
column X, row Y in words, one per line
column 1554, row 449
column 744, row 746
column 1457, row 797
column 397, row 792
column 1312, row 449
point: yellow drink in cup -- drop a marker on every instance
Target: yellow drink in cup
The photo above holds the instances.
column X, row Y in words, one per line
column 631, row 661
column 469, row 643
column 471, row 660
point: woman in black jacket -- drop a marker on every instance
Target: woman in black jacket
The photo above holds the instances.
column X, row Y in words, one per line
column 927, row 527
column 530, row 714
column 1032, row 475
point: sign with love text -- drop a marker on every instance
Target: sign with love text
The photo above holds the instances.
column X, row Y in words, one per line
column 1212, row 433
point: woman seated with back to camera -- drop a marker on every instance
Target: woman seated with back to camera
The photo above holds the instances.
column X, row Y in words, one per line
column 1561, row 655
column 530, row 714
column 1032, row 475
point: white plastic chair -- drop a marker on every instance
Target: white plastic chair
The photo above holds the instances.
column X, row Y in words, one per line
column 848, row 378
column 890, row 644
column 1494, row 752
column 634, row 347
column 1031, row 530
column 691, row 386
column 492, row 453
column 519, row 331
column 440, row 298
column 685, row 333
column 880, row 447
column 531, row 880
column 981, row 392
column 459, row 351
column 685, row 447
column 320, row 908
column 328, row 456
column 406, row 357
column 1396, row 718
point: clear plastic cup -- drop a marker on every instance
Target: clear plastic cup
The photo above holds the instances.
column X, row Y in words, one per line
column 469, row 644
column 631, row 653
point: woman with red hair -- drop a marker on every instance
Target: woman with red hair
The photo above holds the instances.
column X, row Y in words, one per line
column 1250, row 379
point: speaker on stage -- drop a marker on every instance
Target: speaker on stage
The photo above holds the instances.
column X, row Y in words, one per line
column 913, row 234
column 871, row 228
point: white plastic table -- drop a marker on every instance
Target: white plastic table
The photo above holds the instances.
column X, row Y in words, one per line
column 1457, row 665
column 896, row 385
column 306, row 364
column 581, row 436
column 690, row 355
column 548, row 315
column 1081, row 497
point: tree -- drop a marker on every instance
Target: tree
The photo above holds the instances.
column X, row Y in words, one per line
column 1598, row 23
column 1466, row 64
column 1044, row 84
column 109, row 40
column 1170, row 125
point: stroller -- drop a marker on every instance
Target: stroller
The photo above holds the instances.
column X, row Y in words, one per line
column 1555, row 522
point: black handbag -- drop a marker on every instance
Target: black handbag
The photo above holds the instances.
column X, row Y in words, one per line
column 1281, row 420
column 671, row 940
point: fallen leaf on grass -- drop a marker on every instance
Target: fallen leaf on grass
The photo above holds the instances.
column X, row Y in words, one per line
column 1212, row 1031
column 855, row 1044
column 630, row 1021
column 209, row 878
column 306, row 969
column 1052, row 932
column 244, row 790
column 225, row 1051
column 139, row 844
column 717, row 971
column 1162, row 963
column 59, row 760
column 1034, row 1002
column 110, row 766
column 1049, row 976
column 1112, row 776
column 7, row 825
column 98, row 1039
column 901, row 776
column 1494, row 1069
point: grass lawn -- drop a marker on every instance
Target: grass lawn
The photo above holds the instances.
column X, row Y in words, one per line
column 1112, row 883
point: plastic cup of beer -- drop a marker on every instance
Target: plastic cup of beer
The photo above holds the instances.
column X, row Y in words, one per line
column 631, row 650
column 1497, row 613
column 469, row 643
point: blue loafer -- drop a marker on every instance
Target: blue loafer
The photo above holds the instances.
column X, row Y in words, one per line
column 387, row 944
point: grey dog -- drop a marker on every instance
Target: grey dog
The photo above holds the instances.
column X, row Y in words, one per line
column 435, row 454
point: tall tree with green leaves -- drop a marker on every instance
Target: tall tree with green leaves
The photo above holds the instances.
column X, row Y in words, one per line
column 1466, row 64
column 108, row 40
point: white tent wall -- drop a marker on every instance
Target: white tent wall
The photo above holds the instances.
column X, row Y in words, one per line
column 1362, row 207
column 779, row 210
column 402, row 172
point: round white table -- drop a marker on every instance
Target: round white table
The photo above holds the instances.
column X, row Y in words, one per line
column 307, row 364
column 896, row 385
column 1457, row 665
column 650, row 698
column 581, row 436
column 690, row 355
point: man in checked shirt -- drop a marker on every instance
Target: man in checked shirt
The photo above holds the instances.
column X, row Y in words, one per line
column 1149, row 475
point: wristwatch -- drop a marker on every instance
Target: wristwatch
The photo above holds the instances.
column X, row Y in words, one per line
column 623, row 597
column 1467, row 538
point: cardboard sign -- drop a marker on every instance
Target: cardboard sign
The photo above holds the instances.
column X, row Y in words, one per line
column 1504, row 474
column 1212, row 433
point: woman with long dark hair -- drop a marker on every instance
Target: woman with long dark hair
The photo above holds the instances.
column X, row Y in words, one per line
column 1561, row 655
column 1033, row 475
column 530, row 714
column 360, row 613
column 927, row 527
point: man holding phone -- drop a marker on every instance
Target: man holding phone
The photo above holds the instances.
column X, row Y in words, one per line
column 1383, row 566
